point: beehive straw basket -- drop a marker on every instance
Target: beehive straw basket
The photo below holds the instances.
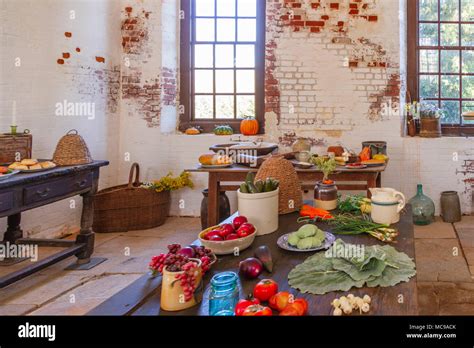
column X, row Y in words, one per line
column 130, row 206
column 291, row 195
column 72, row 150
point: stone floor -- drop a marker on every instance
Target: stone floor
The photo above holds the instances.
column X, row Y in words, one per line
column 444, row 258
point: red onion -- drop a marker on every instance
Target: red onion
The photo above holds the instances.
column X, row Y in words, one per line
column 251, row 268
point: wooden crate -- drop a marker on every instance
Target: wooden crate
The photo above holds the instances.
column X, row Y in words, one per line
column 14, row 147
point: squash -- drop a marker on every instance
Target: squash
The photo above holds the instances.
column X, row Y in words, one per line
column 249, row 126
column 192, row 131
column 223, row 130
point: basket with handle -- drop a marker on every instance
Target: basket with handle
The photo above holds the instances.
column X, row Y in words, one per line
column 130, row 206
column 71, row 150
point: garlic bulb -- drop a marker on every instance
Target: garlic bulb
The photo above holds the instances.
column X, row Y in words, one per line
column 365, row 307
column 366, row 298
column 337, row 312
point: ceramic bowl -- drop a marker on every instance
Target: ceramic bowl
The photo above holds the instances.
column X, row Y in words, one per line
column 227, row 247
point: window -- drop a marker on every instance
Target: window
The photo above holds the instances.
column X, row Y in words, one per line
column 441, row 58
column 222, row 62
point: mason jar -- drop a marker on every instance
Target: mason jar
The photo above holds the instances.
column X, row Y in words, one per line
column 224, row 294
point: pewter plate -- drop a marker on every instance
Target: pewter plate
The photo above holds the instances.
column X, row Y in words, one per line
column 6, row 176
column 283, row 243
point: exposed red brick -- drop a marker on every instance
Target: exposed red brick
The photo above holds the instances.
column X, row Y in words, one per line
column 67, row 34
column 100, row 59
column 60, row 61
column 66, row 55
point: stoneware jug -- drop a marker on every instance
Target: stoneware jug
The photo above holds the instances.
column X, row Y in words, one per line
column 387, row 204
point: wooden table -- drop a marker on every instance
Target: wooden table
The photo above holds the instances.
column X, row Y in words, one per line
column 143, row 296
column 25, row 191
column 367, row 178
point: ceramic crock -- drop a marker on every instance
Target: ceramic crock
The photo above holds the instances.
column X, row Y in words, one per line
column 387, row 204
column 325, row 196
column 261, row 209
column 172, row 293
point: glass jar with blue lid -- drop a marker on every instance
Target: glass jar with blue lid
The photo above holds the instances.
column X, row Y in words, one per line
column 224, row 294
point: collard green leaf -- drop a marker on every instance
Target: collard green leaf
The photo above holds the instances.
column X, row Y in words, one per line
column 379, row 266
column 317, row 276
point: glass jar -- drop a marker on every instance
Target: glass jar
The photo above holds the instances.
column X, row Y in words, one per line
column 224, row 294
column 423, row 208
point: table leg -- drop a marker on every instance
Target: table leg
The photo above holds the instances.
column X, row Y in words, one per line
column 213, row 199
column 371, row 183
column 379, row 180
column 14, row 231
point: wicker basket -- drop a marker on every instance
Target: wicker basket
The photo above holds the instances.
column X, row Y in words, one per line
column 71, row 150
column 130, row 207
column 291, row 195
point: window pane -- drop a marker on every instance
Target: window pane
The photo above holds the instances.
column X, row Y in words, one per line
column 467, row 31
column 224, row 81
column 467, row 10
column 247, row 30
column 468, row 86
column 245, row 56
column 468, row 106
column 450, row 61
column 468, row 62
column 245, row 81
column 203, row 57
column 245, row 106
column 203, row 81
column 429, row 10
column 204, row 29
column 449, row 35
column 450, row 111
column 205, row 8
column 226, row 8
column 225, row 106
column 429, row 61
column 429, row 86
column 428, row 34
column 450, row 87
column 224, row 56
column 203, row 107
column 247, row 8
column 226, row 29
column 449, row 10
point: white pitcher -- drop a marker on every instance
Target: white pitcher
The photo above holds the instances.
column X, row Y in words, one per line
column 387, row 204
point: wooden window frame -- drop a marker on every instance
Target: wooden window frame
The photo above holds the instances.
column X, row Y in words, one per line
column 186, row 88
column 413, row 67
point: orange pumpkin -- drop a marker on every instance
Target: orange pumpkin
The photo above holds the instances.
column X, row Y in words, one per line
column 249, row 126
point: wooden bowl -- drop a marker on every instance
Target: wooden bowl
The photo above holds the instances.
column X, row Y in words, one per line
column 227, row 247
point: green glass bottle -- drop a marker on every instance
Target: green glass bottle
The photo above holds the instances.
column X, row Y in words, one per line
column 423, row 208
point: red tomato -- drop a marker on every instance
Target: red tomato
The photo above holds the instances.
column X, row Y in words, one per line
column 295, row 309
column 265, row 289
column 303, row 303
column 257, row 311
column 280, row 300
column 243, row 304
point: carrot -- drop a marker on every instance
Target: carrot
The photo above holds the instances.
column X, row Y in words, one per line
column 312, row 212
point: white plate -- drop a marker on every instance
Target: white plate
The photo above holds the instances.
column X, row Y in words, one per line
column 36, row 170
column 283, row 243
column 6, row 176
column 211, row 166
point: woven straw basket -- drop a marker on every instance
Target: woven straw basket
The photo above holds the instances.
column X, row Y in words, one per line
column 71, row 150
column 130, row 207
column 291, row 195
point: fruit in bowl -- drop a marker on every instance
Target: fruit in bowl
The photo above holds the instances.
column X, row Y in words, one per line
column 225, row 238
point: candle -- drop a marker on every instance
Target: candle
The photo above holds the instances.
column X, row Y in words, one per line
column 14, row 113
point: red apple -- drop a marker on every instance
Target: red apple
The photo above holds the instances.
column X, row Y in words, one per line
column 238, row 221
column 226, row 229
column 211, row 234
column 232, row 236
column 248, row 228
column 216, row 238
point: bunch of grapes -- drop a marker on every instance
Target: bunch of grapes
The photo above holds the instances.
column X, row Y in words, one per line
column 202, row 251
column 175, row 262
column 174, row 248
column 188, row 279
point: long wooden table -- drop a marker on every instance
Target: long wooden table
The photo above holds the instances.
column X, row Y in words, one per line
column 143, row 296
column 346, row 180
column 25, row 191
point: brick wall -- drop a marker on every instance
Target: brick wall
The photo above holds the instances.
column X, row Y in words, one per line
column 54, row 51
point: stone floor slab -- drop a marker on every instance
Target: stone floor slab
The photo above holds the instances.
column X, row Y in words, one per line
column 436, row 260
column 437, row 229
column 87, row 296
column 466, row 222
